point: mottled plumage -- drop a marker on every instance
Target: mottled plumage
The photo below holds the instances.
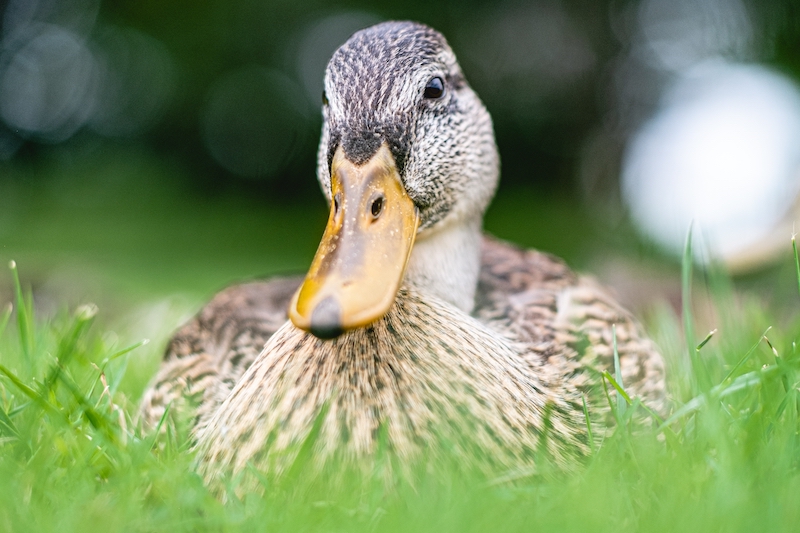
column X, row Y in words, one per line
column 415, row 386
column 486, row 345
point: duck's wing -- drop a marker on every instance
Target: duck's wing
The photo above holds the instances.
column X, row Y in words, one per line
column 208, row 355
column 535, row 299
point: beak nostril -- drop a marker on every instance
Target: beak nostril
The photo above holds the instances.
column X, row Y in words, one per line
column 336, row 204
column 377, row 207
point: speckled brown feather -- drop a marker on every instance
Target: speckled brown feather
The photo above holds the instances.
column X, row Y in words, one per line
column 208, row 355
column 528, row 296
column 537, row 300
column 423, row 373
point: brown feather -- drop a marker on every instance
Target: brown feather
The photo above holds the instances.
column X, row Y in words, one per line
column 540, row 334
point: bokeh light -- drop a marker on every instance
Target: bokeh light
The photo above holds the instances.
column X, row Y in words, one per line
column 48, row 87
column 677, row 34
column 724, row 152
column 76, row 16
column 62, row 70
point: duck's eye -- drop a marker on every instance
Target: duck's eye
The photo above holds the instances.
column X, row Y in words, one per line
column 434, row 88
column 377, row 207
column 324, row 98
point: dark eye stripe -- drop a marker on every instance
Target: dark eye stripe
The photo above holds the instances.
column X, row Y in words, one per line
column 434, row 88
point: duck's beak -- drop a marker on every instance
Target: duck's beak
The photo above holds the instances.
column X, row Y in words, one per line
column 362, row 258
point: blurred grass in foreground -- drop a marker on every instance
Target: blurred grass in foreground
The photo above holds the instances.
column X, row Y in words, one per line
column 71, row 459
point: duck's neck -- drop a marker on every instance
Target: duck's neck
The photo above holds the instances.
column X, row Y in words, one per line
column 446, row 263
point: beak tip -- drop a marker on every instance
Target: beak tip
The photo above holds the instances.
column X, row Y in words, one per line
column 326, row 320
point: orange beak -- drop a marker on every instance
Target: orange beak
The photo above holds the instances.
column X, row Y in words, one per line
column 360, row 263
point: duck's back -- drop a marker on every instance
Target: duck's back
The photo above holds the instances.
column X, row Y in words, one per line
column 534, row 298
column 530, row 297
column 207, row 355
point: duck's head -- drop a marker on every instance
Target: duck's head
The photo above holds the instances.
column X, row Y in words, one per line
column 407, row 153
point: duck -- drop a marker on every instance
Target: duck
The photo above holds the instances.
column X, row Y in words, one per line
column 413, row 331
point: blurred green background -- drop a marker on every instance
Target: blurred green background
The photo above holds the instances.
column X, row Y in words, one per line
column 152, row 149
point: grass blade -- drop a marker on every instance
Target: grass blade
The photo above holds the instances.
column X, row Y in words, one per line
column 24, row 318
column 621, row 405
column 119, row 370
column 721, row 391
column 626, row 399
column 68, row 346
column 796, row 260
column 7, row 426
column 588, row 425
column 157, row 431
column 5, row 317
column 687, row 269
column 124, row 351
column 98, row 421
column 746, row 356
column 700, row 373
column 29, row 392
column 705, row 341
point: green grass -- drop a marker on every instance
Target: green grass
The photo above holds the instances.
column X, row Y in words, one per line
column 727, row 460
